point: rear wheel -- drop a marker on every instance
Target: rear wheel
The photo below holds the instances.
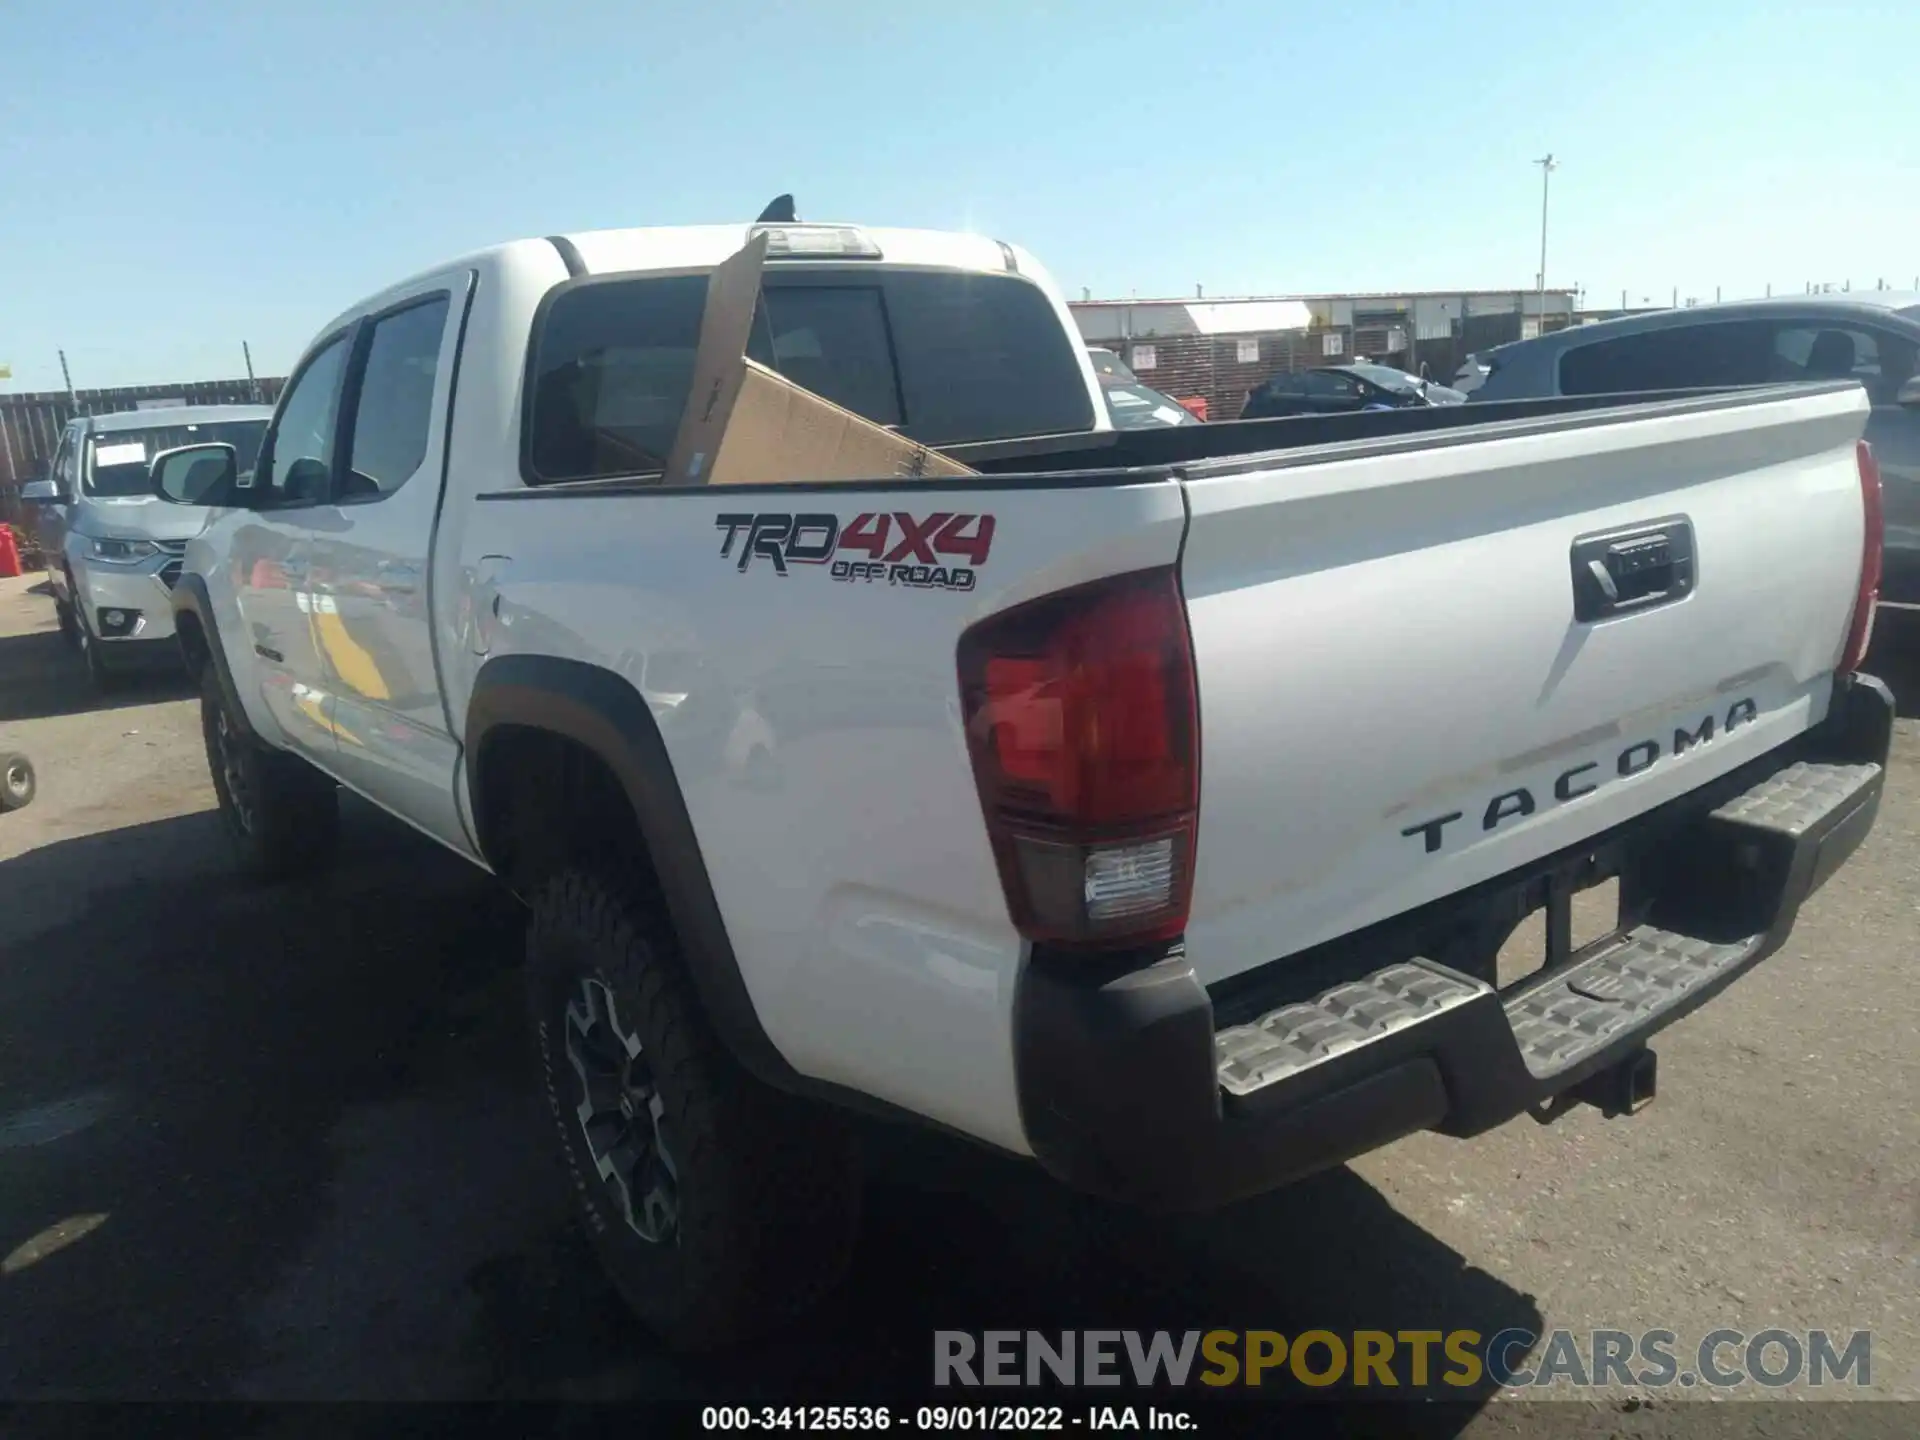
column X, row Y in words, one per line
column 719, row 1207
column 16, row 782
column 282, row 815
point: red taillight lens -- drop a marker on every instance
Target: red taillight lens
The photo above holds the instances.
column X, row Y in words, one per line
column 1867, row 597
column 1081, row 721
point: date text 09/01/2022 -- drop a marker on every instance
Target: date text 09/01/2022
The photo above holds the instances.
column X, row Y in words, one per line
column 1015, row 1419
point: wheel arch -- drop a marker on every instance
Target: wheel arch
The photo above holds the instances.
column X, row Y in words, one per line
column 522, row 707
column 197, row 632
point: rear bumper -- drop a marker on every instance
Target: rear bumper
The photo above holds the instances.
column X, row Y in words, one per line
column 1133, row 1087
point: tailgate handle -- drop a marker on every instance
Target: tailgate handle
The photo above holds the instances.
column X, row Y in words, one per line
column 1635, row 568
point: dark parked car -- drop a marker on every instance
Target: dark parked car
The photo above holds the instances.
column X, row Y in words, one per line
column 1472, row 371
column 1870, row 336
column 1332, row 389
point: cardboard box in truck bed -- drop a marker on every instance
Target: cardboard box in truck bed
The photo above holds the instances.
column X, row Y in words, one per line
column 745, row 424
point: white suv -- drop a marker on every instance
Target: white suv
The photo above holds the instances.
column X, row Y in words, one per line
column 114, row 550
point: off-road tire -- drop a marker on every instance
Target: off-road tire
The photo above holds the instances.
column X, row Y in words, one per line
column 17, row 783
column 282, row 815
column 768, row 1186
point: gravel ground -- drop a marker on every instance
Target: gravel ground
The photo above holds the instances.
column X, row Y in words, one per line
column 281, row 1143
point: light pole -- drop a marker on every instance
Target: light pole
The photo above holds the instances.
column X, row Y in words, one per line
column 1547, row 164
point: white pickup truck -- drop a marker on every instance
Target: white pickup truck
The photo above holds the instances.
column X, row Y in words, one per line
column 1152, row 804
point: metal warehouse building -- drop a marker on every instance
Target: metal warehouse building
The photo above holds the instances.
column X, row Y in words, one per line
column 1220, row 349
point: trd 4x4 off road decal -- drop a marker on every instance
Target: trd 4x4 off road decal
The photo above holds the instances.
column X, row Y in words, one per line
column 897, row 547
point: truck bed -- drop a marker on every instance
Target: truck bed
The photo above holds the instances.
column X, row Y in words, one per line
column 1253, row 441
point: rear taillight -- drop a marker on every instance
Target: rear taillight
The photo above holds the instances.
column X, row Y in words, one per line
column 1081, row 721
column 1867, row 597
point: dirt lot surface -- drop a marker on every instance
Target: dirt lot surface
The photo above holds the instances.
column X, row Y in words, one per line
column 277, row 1143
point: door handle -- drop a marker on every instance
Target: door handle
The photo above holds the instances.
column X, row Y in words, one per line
column 1603, row 577
column 1638, row 567
column 484, row 599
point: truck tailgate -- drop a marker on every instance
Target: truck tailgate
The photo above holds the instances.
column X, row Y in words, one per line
column 1411, row 680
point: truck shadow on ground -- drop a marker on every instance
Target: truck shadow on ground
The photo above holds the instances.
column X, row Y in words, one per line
column 282, row 1142
column 41, row 675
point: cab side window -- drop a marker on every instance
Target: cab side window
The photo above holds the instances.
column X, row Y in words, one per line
column 612, row 366
column 393, row 400
column 296, row 466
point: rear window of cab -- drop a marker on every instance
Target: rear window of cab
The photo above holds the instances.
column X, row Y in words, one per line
column 946, row 357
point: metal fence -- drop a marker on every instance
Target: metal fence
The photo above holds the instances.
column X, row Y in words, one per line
column 30, row 424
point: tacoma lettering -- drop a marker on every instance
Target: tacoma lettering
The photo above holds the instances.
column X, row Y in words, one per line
column 1563, row 787
column 1582, row 779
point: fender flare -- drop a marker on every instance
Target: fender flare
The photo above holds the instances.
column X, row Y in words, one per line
column 603, row 713
column 190, row 598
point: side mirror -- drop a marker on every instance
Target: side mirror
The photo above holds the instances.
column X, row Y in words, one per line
column 1909, row 396
column 40, row 492
column 196, row 475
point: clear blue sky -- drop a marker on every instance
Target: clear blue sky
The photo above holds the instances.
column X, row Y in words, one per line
column 177, row 177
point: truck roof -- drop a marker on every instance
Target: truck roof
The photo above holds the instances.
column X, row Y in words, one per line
column 691, row 246
column 701, row 247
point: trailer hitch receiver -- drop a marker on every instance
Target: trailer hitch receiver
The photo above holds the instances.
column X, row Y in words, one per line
column 1625, row 1087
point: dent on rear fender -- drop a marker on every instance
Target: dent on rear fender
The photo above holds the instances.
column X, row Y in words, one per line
column 928, row 994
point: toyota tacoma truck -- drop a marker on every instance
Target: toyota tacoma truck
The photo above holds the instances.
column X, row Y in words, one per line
column 1152, row 804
